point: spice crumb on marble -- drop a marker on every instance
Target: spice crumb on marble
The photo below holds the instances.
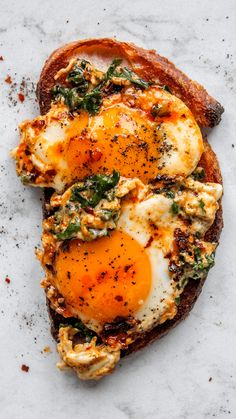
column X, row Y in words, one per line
column 47, row 350
column 21, row 97
column 25, row 368
column 8, row 79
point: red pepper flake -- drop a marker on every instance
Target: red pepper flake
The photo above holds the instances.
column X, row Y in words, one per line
column 149, row 242
column 8, row 79
column 89, row 210
column 38, row 124
column 119, row 298
column 24, row 368
column 1, row 58
column 21, row 97
column 7, row 280
column 95, row 154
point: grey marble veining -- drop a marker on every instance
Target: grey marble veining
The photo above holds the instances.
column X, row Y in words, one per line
column 191, row 373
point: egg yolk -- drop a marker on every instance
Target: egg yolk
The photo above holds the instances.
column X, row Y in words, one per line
column 104, row 279
column 120, row 138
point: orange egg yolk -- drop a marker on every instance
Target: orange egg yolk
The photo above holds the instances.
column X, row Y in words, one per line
column 119, row 137
column 104, row 279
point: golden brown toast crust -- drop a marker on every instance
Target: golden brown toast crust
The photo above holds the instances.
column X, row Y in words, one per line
column 207, row 111
column 146, row 63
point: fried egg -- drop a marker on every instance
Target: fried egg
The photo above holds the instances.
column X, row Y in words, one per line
column 117, row 250
column 126, row 274
column 129, row 275
column 126, row 135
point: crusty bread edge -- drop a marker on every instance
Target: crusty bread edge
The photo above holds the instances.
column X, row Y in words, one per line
column 146, row 63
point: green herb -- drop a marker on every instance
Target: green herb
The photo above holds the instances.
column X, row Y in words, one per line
column 111, row 69
column 197, row 254
column 77, row 197
column 27, row 178
column 177, row 300
column 183, row 283
column 70, row 96
column 76, row 78
column 78, row 97
column 170, row 194
column 104, row 182
column 127, row 74
column 210, row 259
column 98, row 185
column 70, row 230
column 175, row 208
column 106, row 215
column 199, row 174
column 166, row 88
column 199, row 262
column 91, row 102
column 198, row 265
column 201, row 204
column 87, row 333
column 95, row 233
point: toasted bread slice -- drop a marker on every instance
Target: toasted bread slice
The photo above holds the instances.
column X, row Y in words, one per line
column 207, row 111
column 146, row 63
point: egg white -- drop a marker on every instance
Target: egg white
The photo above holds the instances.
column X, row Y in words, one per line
column 136, row 220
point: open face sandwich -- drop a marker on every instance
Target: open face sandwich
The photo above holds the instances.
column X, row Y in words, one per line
column 132, row 197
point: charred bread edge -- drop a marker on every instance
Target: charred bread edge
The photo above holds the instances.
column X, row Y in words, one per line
column 207, row 111
column 146, row 63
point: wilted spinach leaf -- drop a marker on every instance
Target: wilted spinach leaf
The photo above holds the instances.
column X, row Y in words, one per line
column 97, row 186
column 70, row 230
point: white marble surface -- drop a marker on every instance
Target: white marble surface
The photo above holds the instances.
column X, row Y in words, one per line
column 170, row 379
